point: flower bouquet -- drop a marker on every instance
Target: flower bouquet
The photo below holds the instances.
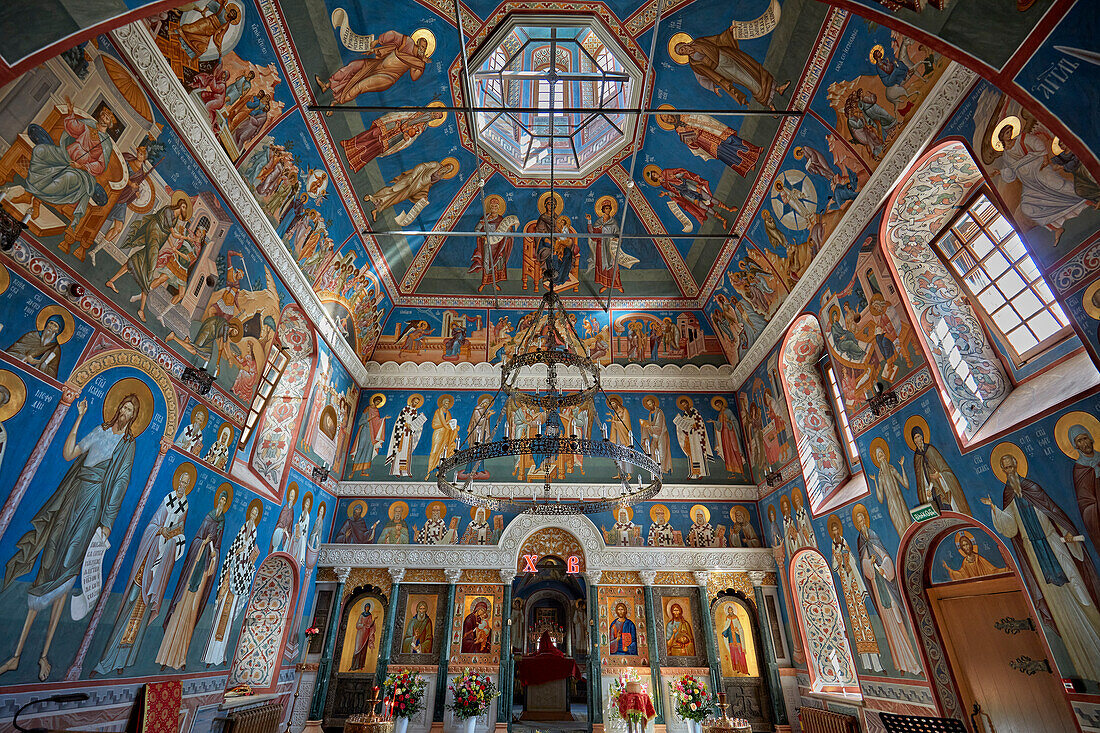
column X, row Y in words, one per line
column 693, row 702
column 471, row 695
column 404, row 692
column 629, row 697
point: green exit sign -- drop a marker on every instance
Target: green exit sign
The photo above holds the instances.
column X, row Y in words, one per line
column 924, row 512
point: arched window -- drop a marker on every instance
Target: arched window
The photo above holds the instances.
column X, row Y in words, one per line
column 972, row 380
column 971, row 286
column 821, row 625
column 824, row 460
column 265, row 626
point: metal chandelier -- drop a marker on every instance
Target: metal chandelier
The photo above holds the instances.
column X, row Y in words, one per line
column 551, row 357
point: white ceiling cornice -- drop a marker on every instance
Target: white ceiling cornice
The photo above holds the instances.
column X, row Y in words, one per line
column 571, row 491
column 949, row 90
column 486, row 376
column 138, row 46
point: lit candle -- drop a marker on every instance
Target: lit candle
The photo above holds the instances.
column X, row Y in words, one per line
column 603, row 427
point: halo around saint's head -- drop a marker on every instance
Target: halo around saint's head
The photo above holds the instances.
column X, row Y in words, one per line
column 558, row 202
column 916, row 421
column 426, row 35
column 876, row 444
column 118, row 391
column 1011, row 121
column 497, row 199
column 653, row 512
column 17, row 394
column 1007, row 449
column 700, row 508
column 437, row 121
column 667, row 109
column 676, row 40
column 607, row 200
column 1069, row 426
column 66, row 331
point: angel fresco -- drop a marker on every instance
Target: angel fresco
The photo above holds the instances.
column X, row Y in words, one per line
column 81, row 511
column 720, row 65
column 384, row 59
column 605, row 253
column 412, row 185
column 490, row 257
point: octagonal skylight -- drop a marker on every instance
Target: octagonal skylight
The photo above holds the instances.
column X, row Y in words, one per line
column 550, row 94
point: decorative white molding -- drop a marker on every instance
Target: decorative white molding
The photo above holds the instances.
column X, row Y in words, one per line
column 949, row 90
column 505, row 555
column 397, row 574
column 757, row 577
column 647, row 576
column 342, row 573
column 572, row 491
column 701, row 578
column 138, row 46
column 453, row 575
column 626, row 377
column 507, row 576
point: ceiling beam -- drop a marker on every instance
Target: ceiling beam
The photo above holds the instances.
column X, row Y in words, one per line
column 138, row 46
column 561, row 110
column 938, row 106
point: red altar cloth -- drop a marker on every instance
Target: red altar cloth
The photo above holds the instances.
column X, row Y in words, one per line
column 636, row 702
column 549, row 665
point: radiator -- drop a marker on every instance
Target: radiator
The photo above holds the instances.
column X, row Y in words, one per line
column 814, row 720
column 260, row 719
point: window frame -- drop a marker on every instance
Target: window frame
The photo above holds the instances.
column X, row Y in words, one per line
column 827, row 371
column 1007, row 349
column 274, row 368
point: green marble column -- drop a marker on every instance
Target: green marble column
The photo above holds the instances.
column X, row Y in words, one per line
column 595, row 669
column 708, row 627
column 386, row 642
column 324, row 668
column 445, row 651
column 775, row 688
column 504, row 702
column 648, row 576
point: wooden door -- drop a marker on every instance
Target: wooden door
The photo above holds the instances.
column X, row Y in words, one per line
column 998, row 658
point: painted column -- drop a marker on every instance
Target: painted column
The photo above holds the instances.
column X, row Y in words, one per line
column 775, row 689
column 708, row 627
column 648, row 576
column 324, row 669
column 68, row 396
column 780, row 556
column 504, row 702
column 74, row 670
column 595, row 669
column 385, row 644
column 453, row 574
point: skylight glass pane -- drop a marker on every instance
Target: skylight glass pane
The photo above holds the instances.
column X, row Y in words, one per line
column 1022, row 339
column 1027, row 303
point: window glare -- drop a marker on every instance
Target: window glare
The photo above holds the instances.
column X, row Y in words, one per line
column 1003, row 281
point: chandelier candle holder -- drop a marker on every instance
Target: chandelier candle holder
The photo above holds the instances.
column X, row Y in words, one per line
column 549, row 371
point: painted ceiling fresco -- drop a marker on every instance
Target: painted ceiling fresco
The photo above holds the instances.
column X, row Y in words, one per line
column 721, row 205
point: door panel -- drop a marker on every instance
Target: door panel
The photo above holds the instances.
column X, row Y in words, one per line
column 1000, row 661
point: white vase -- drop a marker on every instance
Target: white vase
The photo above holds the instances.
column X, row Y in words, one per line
column 694, row 726
column 468, row 725
column 400, row 724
